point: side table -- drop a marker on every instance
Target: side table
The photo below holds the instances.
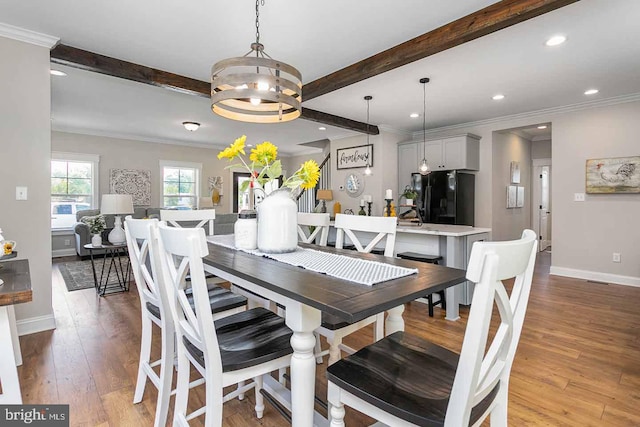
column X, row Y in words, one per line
column 112, row 260
column 16, row 289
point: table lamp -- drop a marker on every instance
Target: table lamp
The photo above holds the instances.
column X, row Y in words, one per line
column 324, row 195
column 116, row 204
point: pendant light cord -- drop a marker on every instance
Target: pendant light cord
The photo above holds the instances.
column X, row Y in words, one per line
column 424, row 120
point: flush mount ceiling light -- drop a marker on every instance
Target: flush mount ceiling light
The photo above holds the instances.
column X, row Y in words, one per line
column 256, row 88
column 424, row 165
column 322, row 128
column 591, row 92
column 191, row 126
column 57, row 73
column 414, row 115
column 556, row 40
column 497, row 97
column 368, row 170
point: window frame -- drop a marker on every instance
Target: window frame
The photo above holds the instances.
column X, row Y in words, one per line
column 197, row 167
column 94, row 159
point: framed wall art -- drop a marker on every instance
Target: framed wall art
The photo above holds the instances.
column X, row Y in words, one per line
column 512, row 192
column 131, row 181
column 354, row 157
column 520, row 197
column 515, row 172
column 613, row 175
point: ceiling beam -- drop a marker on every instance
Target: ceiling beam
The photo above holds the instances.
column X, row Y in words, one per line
column 485, row 21
column 90, row 61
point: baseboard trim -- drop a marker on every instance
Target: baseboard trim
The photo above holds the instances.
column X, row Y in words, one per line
column 36, row 324
column 63, row 252
column 595, row 276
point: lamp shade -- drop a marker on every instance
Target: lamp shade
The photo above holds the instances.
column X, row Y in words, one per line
column 116, row 204
column 325, row 195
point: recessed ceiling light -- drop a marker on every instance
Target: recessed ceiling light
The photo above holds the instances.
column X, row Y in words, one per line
column 249, row 145
column 57, row 73
column 542, row 127
column 497, row 97
column 414, row 115
column 191, row 126
column 322, row 128
column 591, row 92
column 556, row 40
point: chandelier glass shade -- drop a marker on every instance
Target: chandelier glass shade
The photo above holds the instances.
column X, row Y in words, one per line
column 256, row 88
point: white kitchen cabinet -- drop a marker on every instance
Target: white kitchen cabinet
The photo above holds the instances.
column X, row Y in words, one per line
column 460, row 152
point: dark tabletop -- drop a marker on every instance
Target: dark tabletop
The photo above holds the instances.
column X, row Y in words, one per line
column 17, row 282
column 346, row 300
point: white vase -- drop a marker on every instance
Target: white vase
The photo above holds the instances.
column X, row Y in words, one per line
column 278, row 223
column 96, row 240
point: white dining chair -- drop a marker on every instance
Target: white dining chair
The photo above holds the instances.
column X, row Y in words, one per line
column 380, row 229
column 319, row 222
column 190, row 218
column 237, row 348
column 154, row 311
column 403, row 380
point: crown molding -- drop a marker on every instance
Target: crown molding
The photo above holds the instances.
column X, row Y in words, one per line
column 27, row 36
column 537, row 113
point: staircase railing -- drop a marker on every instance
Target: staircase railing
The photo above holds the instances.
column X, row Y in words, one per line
column 307, row 199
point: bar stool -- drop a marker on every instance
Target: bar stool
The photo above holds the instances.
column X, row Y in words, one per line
column 431, row 259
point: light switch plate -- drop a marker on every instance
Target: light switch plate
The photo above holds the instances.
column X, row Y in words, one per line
column 21, row 193
column 578, row 197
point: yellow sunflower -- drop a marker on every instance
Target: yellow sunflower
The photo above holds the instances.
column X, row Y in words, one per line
column 310, row 173
column 234, row 149
column 264, row 153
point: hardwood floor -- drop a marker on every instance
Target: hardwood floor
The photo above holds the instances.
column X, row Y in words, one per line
column 578, row 363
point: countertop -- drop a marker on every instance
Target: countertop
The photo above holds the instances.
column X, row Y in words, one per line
column 442, row 230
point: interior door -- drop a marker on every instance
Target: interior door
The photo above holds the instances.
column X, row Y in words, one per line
column 545, row 208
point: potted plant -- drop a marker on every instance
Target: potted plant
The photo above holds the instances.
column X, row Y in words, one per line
column 96, row 224
column 409, row 194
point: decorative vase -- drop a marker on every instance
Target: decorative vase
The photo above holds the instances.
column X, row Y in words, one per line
column 215, row 196
column 96, row 240
column 278, row 223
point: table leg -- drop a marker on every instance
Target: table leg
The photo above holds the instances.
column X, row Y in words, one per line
column 303, row 320
column 93, row 269
column 455, row 258
column 394, row 322
column 8, row 373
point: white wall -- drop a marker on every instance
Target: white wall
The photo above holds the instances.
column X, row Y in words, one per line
column 585, row 233
column 127, row 154
column 541, row 149
column 25, row 147
column 507, row 224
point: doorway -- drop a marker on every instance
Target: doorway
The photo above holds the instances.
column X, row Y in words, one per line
column 541, row 203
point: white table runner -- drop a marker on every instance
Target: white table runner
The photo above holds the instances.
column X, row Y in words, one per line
column 362, row 271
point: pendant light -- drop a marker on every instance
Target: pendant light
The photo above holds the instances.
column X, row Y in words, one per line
column 424, row 166
column 368, row 170
column 256, row 88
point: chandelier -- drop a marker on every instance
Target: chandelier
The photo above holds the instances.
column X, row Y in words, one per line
column 255, row 87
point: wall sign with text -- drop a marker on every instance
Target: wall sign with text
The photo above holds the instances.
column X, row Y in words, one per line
column 355, row 157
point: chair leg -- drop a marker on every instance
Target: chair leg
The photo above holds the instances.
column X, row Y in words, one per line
column 259, row 397
column 336, row 410
column 281, row 373
column 145, row 355
column 166, row 375
column 498, row 417
column 334, row 349
column 430, row 300
column 443, row 304
column 182, row 387
column 241, row 395
column 378, row 326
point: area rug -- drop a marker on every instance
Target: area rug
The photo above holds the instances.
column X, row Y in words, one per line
column 79, row 275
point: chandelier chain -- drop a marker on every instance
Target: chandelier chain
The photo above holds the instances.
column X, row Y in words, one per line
column 258, row 4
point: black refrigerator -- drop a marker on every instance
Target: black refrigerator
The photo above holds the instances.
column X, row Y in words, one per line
column 445, row 197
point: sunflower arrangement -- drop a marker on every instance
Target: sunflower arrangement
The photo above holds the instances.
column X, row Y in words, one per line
column 265, row 166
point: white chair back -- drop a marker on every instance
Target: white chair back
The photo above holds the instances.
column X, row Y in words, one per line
column 385, row 227
column 187, row 246
column 478, row 371
column 318, row 220
column 177, row 218
column 137, row 235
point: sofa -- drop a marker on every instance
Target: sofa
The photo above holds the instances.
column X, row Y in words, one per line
column 223, row 224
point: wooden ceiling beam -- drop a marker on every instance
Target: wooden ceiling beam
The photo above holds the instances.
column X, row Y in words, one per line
column 492, row 18
column 90, row 61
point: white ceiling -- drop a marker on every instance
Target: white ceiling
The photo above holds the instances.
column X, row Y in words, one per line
column 321, row 37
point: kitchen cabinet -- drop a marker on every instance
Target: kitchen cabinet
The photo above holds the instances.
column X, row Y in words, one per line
column 460, row 152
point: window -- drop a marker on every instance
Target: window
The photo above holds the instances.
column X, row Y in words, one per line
column 180, row 184
column 73, row 187
column 241, row 199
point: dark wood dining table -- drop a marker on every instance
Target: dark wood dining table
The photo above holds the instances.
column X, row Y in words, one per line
column 306, row 295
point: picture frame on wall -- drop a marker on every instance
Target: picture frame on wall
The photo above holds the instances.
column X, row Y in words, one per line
column 616, row 175
column 512, row 192
column 520, row 197
column 515, row 172
column 354, row 157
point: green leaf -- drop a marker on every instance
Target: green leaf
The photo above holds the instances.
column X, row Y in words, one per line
column 244, row 186
column 275, row 170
